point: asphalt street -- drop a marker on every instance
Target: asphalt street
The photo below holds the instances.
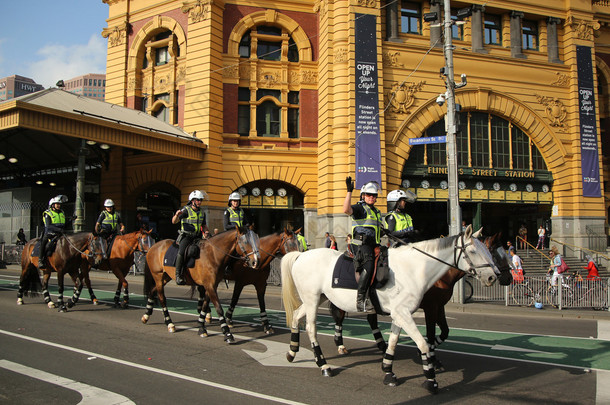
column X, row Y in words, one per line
column 101, row 354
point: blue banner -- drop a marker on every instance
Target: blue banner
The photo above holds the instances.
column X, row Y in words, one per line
column 368, row 143
column 589, row 156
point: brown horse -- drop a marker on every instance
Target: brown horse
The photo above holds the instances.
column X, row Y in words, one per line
column 433, row 303
column 214, row 255
column 66, row 259
column 119, row 261
column 270, row 246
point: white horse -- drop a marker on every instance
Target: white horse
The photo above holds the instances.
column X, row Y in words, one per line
column 307, row 278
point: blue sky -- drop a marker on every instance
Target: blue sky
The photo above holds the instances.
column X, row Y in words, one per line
column 48, row 40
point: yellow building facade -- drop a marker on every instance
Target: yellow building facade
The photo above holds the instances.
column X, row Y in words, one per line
column 273, row 90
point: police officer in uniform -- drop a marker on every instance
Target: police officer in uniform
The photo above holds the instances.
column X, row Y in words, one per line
column 366, row 230
column 192, row 224
column 398, row 223
column 302, row 242
column 234, row 216
column 54, row 221
column 109, row 222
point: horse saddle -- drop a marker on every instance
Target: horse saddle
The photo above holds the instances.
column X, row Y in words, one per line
column 344, row 273
column 191, row 254
column 51, row 245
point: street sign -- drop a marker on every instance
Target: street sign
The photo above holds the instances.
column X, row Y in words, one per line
column 428, row 139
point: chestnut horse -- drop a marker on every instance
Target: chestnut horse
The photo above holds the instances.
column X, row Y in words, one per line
column 433, row 303
column 270, row 246
column 119, row 261
column 215, row 252
column 66, row 259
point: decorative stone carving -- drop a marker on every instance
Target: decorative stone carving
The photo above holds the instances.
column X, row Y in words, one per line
column 244, row 71
column 309, row 77
column 367, row 3
column 583, row 29
column 321, row 7
column 556, row 112
column 390, row 58
column 341, row 55
column 197, row 10
column 132, row 83
column 162, row 84
column 268, row 78
column 402, row 96
column 231, row 72
column 181, row 74
column 116, row 34
column 563, row 80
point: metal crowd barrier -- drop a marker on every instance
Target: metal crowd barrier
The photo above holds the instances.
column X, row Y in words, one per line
column 11, row 254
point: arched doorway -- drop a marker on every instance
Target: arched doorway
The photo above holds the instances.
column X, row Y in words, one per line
column 157, row 204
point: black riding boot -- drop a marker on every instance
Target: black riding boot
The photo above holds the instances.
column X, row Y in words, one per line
column 363, row 304
column 179, row 270
column 42, row 257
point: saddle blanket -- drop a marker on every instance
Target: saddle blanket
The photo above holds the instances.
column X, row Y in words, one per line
column 170, row 257
column 344, row 274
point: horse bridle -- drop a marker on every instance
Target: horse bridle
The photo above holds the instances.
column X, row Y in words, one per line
column 255, row 250
column 77, row 249
column 472, row 269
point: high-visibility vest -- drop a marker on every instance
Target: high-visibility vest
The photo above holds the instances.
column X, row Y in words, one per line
column 302, row 241
column 57, row 218
column 372, row 221
column 236, row 216
column 192, row 222
column 403, row 221
column 110, row 220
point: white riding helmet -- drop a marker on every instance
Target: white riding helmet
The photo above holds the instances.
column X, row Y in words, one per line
column 196, row 195
column 58, row 199
column 372, row 187
column 235, row 196
column 109, row 203
column 396, row 195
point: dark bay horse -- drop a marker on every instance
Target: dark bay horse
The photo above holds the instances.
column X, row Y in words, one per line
column 66, row 259
column 433, row 304
column 270, row 246
column 119, row 261
column 207, row 272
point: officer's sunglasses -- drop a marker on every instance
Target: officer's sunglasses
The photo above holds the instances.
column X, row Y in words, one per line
column 198, row 199
column 370, row 195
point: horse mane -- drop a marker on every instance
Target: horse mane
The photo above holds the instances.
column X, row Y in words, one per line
column 434, row 245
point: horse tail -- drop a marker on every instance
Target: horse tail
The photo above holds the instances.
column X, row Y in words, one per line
column 30, row 282
column 290, row 296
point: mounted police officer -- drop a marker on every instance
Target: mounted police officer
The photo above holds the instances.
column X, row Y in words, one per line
column 398, row 223
column 192, row 225
column 234, row 216
column 109, row 222
column 366, row 235
column 54, row 221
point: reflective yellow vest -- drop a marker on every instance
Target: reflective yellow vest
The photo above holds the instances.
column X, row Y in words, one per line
column 403, row 221
column 372, row 220
column 236, row 217
column 192, row 222
column 110, row 220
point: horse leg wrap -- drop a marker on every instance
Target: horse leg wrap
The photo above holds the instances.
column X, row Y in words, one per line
column 338, row 335
column 47, row 297
column 379, row 340
column 230, row 313
column 201, row 319
column 264, row 319
column 166, row 316
column 428, row 367
column 126, row 295
column 318, row 356
column 388, row 361
column 439, row 339
column 117, row 296
column 223, row 325
column 149, row 306
column 294, row 340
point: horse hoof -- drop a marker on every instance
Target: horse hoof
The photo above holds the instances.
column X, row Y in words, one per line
column 63, row 309
column 51, row 305
column 208, row 317
column 327, row 372
column 171, row 328
column 95, row 301
column 229, row 339
column 144, row 318
column 204, row 334
column 390, row 379
column 269, row 331
column 70, row 304
column 431, row 386
column 124, row 305
column 342, row 350
column 289, row 357
column 19, row 301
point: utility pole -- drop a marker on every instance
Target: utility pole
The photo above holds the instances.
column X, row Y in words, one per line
column 79, row 204
column 455, row 213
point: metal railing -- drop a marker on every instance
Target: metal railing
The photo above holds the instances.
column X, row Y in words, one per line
column 580, row 252
column 11, row 254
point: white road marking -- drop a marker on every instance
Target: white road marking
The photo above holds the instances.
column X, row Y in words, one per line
column 153, row 369
column 91, row 395
column 603, row 330
column 602, row 395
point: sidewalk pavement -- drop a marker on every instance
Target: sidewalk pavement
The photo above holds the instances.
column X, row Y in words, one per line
column 490, row 308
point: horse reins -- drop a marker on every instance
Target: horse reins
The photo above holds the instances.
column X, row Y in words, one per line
column 77, row 249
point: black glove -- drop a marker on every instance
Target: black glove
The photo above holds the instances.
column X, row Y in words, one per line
column 349, row 183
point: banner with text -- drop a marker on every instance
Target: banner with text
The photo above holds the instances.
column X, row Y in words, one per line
column 589, row 156
column 368, row 144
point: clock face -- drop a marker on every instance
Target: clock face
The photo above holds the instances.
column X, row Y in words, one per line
column 444, row 185
column 461, row 185
column 242, row 191
column 425, row 184
column 545, row 188
column 406, row 183
column 529, row 188
column 513, row 187
column 256, row 191
column 268, row 192
column 479, row 185
column 496, row 186
column 281, row 192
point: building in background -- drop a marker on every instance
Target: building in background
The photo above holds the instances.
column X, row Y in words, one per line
column 92, row 85
column 15, row 86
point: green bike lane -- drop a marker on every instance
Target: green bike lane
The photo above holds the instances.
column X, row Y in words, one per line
column 584, row 353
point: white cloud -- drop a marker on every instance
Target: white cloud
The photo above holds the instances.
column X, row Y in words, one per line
column 65, row 62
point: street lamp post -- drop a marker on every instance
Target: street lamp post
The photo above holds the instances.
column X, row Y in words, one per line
column 79, row 204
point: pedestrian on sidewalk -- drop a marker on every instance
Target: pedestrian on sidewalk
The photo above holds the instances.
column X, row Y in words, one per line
column 591, row 268
column 541, row 237
column 517, row 270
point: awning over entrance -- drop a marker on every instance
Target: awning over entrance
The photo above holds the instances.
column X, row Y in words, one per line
column 44, row 131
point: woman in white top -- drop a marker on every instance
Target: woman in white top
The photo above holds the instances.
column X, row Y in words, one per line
column 517, row 270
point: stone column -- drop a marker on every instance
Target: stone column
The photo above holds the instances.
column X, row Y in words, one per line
column 435, row 31
column 391, row 20
column 552, row 42
column 477, row 29
column 516, row 42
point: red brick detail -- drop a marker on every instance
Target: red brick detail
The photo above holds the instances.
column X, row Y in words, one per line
column 308, row 114
column 230, row 108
